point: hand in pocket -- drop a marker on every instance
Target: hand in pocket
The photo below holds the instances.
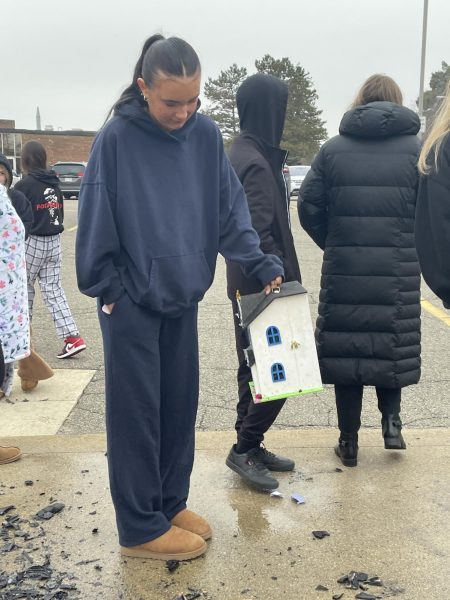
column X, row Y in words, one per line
column 108, row 308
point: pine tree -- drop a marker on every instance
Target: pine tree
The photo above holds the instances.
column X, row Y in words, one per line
column 432, row 98
column 221, row 96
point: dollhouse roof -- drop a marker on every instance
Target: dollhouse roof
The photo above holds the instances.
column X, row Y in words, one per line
column 254, row 304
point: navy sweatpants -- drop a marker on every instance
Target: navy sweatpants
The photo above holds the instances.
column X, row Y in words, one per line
column 151, row 372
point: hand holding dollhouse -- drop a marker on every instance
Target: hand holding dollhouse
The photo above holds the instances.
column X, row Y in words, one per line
column 273, row 285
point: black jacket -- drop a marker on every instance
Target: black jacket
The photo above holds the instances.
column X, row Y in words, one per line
column 433, row 225
column 358, row 204
column 42, row 190
column 258, row 162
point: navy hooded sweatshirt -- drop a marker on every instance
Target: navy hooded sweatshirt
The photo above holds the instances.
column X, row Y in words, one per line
column 155, row 208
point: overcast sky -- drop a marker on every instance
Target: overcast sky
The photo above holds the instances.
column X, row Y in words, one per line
column 73, row 58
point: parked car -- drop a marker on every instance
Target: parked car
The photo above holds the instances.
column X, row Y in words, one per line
column 298, row 173
column 70, row 175
column 287, row 179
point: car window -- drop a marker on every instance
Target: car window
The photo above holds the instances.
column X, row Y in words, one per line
column 69, row 169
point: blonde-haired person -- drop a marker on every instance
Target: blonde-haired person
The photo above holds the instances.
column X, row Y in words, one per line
column 433, row 205
column 358, row 204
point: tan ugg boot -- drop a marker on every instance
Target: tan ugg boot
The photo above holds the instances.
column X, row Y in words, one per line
column 175, row 544
column 9, row 454
column 32, row 370
column 28, row 384
column 190, row 521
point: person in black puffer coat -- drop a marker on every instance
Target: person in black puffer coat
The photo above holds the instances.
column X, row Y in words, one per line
column 358, row 204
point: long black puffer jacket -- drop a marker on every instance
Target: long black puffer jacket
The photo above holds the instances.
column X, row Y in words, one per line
column 358, row 204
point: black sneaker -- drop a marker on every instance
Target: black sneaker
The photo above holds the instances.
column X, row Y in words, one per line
column 272, row 461
column 253, row 471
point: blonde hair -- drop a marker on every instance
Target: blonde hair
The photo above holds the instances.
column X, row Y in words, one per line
column 378, row 88
column 434, row 139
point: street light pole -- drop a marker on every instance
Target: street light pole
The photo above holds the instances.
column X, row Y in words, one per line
column 422, row 63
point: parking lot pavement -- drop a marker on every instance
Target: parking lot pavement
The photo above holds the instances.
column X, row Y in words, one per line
column 424, row 405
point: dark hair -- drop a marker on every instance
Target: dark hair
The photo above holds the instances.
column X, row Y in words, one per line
column 34, row 156
column 168, row 56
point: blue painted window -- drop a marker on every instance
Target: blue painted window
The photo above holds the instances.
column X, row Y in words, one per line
column 273, row 336
column 278, row 373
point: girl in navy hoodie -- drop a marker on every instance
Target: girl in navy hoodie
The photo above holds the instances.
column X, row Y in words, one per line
column 159, row 201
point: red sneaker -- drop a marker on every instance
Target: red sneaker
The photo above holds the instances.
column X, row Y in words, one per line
column 72, row 345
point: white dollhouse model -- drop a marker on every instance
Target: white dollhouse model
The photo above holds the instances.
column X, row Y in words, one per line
column 282, row 352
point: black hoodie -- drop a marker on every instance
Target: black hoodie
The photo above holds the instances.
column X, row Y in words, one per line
column 41, row 187
column 258, row 162
column 18, row 200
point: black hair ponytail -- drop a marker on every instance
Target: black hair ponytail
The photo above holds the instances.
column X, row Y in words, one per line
column 170, row 56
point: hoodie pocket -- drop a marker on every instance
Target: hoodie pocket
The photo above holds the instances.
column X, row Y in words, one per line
column 177, row 282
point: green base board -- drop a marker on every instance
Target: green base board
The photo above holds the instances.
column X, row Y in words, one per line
column 281, row 396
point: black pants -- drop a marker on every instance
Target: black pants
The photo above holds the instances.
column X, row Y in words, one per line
column 253, row 420
column 151, row 372
column 349, row 405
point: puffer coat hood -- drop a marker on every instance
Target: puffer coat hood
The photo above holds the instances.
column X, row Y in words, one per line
column 379, row 120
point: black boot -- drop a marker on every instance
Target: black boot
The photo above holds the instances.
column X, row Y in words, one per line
column 391, row 426
column 347, row 450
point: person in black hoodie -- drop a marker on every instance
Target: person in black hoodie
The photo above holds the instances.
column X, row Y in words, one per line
column 158, row 202
column 358, row 204
column 258, row 161
column 433, row 205
column 43, row 247
column 20, row 202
